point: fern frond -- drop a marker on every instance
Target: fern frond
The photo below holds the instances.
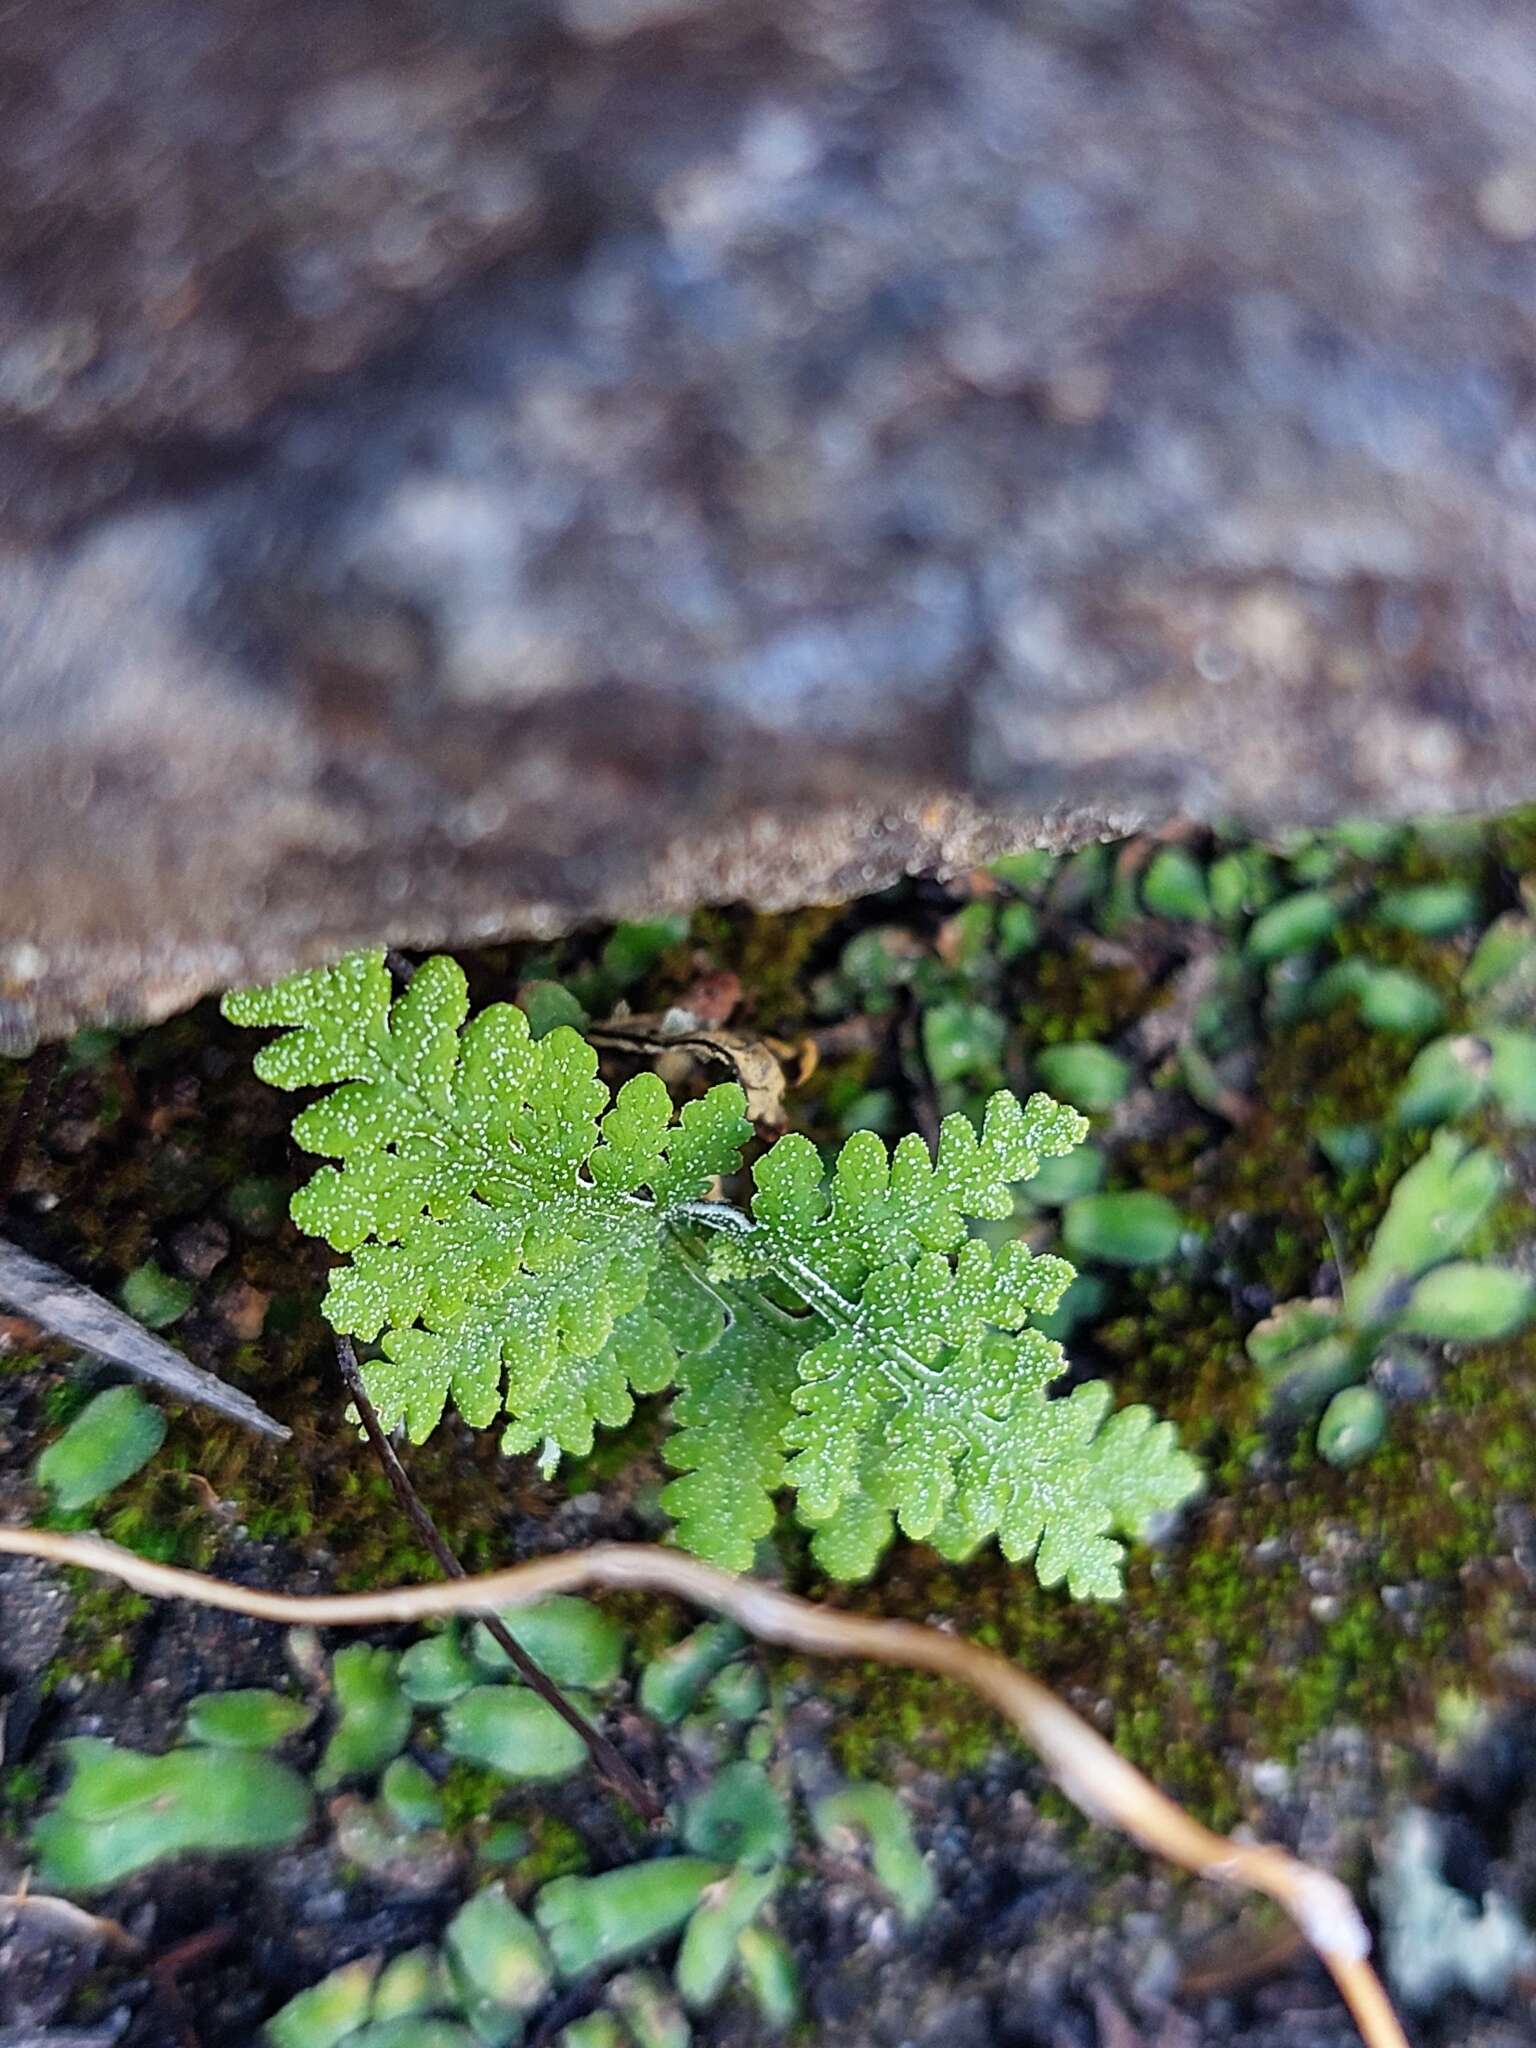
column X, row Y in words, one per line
column 503, row 1227
column 733, row 1405
column 924, row 1402
column 520, row 1243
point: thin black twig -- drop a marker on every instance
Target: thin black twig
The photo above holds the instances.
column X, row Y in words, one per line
column 620, row 1777
column 42, row 1072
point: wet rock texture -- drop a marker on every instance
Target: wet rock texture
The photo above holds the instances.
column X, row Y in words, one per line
column 467, row 465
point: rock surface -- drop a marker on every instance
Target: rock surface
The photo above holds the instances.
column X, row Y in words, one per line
column 467, row 465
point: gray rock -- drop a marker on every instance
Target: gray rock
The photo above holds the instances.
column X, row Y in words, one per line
column 469, row 465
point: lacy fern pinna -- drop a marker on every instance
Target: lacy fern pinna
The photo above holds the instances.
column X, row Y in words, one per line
column 527, row 1246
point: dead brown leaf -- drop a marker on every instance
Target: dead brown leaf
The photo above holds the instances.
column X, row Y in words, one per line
column 679, row 1033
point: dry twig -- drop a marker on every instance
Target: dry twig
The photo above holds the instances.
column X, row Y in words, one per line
column 63, row 1308
column 1087, row 1768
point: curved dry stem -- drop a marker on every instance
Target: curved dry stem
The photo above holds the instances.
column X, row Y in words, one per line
column 1088, row 1769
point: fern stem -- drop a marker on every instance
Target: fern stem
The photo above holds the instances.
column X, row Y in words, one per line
column 819, row 1295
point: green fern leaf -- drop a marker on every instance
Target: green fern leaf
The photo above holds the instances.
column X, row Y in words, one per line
column 734, row 1403
column 1057, row 1479
column 924, row 1401
column 521, row 1245
column 502, row 1227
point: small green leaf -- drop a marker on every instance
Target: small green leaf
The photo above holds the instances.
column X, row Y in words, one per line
column 496, row 1955
column 258, row 1205
column 739, row 1693
column 1469, row 1303
column 1432, row 909
column 1448, row 1079
column 1312, row 859
column 709, row 1953
column 1353, row 1424
column 1392, row 999
column 1512, row 1074
column 1174, row 886
column 1062, row 1180
column 1027, row 872
column 1434, row 1209
column 768, row 1971
column 113, row 1436
column 374, row 1715
column 1367, row 838
column 1294, row 925
column 1501, row 975
column 246, row 1718
column 740, row 1818
column 1348, row 1148
column 1313, row 1375
column 512, row 1731
column 590, row 1922
column 412, row 1983
column 963, row 1041
column 873, row 1813
column 437, row 1669
column 633, row 950
column 570, row 1640
column 1089, row 1076
column 1241, row 884
column 548, row 1005
column 966, row 941
column 595, row 2030
column 328, row 2012
column 155, row 1298
column 1137, row 1228
column 122, row 1811
column 1291, row 1328
column 649, row 2009
column 1018, row 931
column 672, row 1681
column 875, row 962
column 410, row 1795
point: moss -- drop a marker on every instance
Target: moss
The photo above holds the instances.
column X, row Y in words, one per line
column 63, row 1400
column 1512, row 841
column 770, row 952
column 1225, row 1645
column 22, row 1791
column 557, row 1851
column 470, row 1794
column 100, row 1639
column 1073, row 993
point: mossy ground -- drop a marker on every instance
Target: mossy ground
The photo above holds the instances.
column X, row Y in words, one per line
column 1292, row 1598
